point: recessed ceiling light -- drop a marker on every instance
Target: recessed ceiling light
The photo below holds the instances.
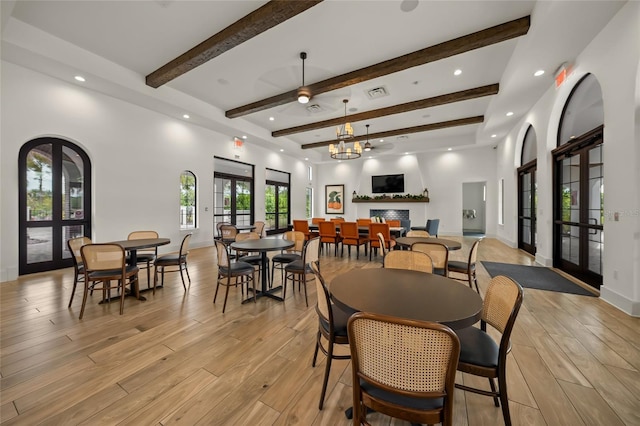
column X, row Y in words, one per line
column 572, row 137
column 494, row 135
column 185, row 115
column 449, row 149
column 281, row 150
column 80, row 78
column 306, row 158
column 406, row 153
column 538, row 73
column 370, row 157
column 271, row 118
column 510, row 113
column 381, row 140
column 244, row 136
column 457, row 72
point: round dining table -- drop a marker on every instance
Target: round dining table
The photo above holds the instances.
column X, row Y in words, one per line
column 407, row 241
column 262, row 246
column 407, row 294
column 132, row 246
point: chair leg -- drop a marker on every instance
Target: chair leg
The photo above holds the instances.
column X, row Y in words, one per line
column 75, row 283
column 148, row 274
column 186, row 269
column 327, row 370
column 253, row 283
column 84, row 297
column 304, row 284
column 284, row 286
column 315, row 352
column 122, row 284
column 504, row 400
column 155, row 277
column 493, row 389
column 182, row 277
column 215, row 295
column 226, row 294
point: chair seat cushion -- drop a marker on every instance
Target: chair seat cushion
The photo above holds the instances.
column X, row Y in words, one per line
column 96, row 275
column 439, row 271
column 477, row 348
column 254, row 259
column 340, row 319
column 406, row 401
column 237, row 268
column 455, row 265
column 170, row 259
column 146, row 257
column 286, row 257
column 297, row 266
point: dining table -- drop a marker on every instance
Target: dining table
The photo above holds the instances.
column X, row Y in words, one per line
column 406, row 294
column 132, row 246
column 262, row 246
column 396, row 231
column 406, row 242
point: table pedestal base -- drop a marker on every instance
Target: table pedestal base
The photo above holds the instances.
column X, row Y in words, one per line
column 268, row 293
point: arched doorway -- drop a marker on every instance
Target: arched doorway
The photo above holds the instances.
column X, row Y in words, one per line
column 527, row 193
column 54, row 202
column 579, row 184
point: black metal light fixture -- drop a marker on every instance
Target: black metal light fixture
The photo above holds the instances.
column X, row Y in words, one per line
column 304, row 94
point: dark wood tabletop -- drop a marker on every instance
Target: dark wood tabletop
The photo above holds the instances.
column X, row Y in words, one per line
column 142, row 243
column 263, row 245
column 407, row 241
column 407, row 294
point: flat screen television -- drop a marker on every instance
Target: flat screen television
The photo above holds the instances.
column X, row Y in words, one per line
column 385, row 184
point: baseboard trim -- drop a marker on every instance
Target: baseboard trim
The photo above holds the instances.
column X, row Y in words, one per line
column 631, row 307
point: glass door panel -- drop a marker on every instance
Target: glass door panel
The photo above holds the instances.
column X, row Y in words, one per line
column 527, row 210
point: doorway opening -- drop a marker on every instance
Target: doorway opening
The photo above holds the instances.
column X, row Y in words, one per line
column 474, row 201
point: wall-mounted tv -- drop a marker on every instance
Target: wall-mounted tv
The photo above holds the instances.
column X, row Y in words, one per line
column 385, row 184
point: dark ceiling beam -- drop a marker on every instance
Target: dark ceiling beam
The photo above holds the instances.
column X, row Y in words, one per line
column 463, row 95
column 443, row 50
column 407, row 130
column 260, row 20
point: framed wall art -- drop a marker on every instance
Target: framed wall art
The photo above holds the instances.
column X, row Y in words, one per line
column 334, row 199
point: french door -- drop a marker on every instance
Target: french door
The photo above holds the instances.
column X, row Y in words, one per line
column 233, row 199
column 579, row 231
column 54, row 202
column 277, row 207
column 527, row 198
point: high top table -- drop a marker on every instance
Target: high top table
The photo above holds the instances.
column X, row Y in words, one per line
column 263, row 245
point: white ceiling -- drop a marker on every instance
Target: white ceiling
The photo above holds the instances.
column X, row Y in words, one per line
column 115, row 44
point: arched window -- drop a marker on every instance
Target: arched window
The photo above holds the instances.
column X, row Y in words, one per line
column 529, row 146
column 54, row 202
column 188, row 200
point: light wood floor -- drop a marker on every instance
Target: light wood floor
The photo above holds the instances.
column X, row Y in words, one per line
column 177, row 359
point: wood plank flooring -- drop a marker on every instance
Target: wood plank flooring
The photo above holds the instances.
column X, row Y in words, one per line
column 177, row 359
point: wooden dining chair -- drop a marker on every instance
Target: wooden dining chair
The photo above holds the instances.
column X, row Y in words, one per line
column 228, row 233
column 402, row 368
column 289, row 255
column 418, row 233
column 439, row 254
column 145, row 257
column 352, row 237
column 254, row 259
column 374, row 243
column 299, row 270
column 393, row 223
column 363, row 222
column 228, row 270
column 329, row 235
column 104, row 264
column 480, row 355
column 332, row 328
column 74, row 245
column 466, row 268
column 405, row 259
column 259, row 228
column 178, row 260
column 303, row 226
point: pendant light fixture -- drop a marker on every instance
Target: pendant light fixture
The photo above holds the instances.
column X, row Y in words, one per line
column 367, row 145
column 304, row 94
column 340, row 151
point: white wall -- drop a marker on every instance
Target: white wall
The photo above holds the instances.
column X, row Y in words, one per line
column 441, row 172
column 613, row 58
column 137, row 156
